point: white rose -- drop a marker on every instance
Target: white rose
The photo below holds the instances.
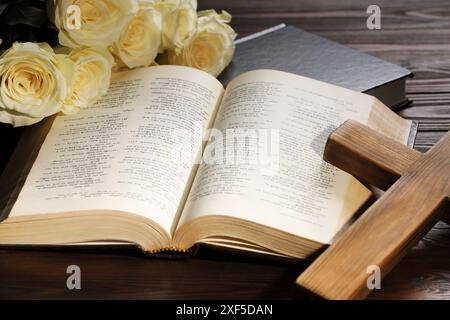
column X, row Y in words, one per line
column 33, row 83
column 179, row 22
column 92, row 23
column 147, row 4
column 139, row 42
column 211, row 48
column 91, row 78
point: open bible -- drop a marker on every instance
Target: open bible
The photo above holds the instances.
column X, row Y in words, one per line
column 169, row 159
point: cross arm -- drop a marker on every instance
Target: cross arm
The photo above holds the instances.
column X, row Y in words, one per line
column 369, row 156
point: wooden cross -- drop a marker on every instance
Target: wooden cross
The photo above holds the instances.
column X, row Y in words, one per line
column 418, row 198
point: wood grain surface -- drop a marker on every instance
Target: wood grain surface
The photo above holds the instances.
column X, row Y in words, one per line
column 414, row 34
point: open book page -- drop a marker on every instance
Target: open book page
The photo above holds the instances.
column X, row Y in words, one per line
column 390, row 124
column 289, row 187
column 116, row 155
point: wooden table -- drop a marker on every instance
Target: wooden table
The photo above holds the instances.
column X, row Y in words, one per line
column 414, row 34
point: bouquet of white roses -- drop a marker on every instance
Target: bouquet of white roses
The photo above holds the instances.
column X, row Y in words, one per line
column 97, row 37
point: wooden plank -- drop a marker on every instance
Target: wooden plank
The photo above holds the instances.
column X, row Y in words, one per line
column 435, row 86
column 256, row 6
column 426, row 139
column 434, row 125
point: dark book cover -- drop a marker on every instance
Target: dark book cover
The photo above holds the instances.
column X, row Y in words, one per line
column 293, row 50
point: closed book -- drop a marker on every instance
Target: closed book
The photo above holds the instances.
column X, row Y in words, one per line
column 290, row 49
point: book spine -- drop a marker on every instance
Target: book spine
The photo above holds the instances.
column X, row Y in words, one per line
column 167, row 249
column 413, row 134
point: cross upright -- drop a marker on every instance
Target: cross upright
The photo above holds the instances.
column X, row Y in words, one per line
column 418, row 198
